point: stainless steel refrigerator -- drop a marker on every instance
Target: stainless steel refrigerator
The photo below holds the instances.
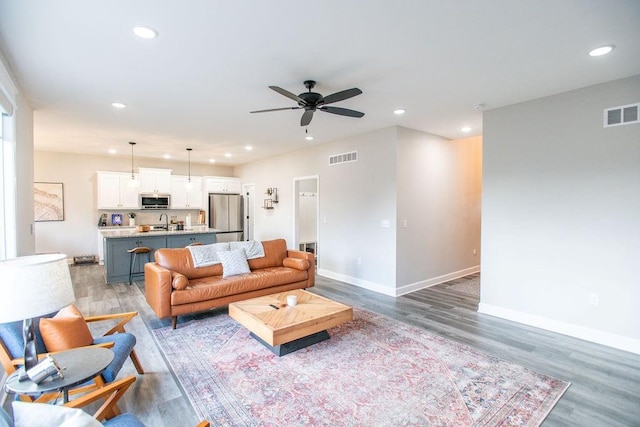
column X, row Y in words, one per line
column 225, row 214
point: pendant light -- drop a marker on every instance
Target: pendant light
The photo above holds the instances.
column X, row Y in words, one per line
column 133, row 182
column 189, row 185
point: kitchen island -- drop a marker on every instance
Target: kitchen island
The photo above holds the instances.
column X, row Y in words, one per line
column 116, row 243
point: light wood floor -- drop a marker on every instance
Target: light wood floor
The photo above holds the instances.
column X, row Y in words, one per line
column 605, row 388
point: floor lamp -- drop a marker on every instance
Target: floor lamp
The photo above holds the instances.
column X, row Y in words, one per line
column 33, row 286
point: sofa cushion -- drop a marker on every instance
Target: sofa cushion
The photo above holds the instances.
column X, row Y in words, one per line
column 217, row 287
column 65, row 330
column 275, row 251
column 234, row 262
column 179, row 260
column 297, row 263
column 179, row 281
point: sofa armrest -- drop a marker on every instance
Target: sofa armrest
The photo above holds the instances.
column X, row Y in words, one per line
column 157, row 289
column 311, row 280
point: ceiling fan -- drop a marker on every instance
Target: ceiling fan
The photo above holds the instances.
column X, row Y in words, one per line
column 312, row 101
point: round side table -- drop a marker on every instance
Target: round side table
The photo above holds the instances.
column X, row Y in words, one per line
column 80, row 365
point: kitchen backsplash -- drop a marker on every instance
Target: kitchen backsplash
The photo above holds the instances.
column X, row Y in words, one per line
column 146, row 217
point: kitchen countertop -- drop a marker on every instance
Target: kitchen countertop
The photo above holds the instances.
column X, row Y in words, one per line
column 122, row 232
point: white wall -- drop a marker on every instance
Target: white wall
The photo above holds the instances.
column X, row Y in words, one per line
column 561, row 215
column 400, row 174
column 353, row 198
column 439, row 192
column 23, row 136
column 77, row 234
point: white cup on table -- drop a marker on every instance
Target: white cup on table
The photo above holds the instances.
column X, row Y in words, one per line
column 292, row 300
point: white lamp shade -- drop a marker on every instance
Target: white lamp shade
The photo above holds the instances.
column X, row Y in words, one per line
column 33, row 286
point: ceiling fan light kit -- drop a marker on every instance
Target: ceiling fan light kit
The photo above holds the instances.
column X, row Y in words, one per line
column 311, row 102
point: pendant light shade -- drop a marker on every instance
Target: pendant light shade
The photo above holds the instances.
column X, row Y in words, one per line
column 133, row 182
column 189, row 185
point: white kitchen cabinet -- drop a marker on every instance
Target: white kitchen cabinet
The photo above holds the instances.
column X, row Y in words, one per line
column 114, row 191
column 223, row 185
column 183, row 199
column 155, row 180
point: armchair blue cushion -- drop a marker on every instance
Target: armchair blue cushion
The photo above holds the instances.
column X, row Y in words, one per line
column 11, row 337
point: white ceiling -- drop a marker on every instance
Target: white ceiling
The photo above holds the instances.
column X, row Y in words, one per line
column 194, row 85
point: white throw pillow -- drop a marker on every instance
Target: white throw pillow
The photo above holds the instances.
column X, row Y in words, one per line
column 40, row 414
column 234, row 262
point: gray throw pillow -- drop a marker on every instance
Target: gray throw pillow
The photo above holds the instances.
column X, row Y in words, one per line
column 234, row 262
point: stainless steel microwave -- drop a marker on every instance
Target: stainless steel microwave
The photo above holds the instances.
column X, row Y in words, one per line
column 155, row 201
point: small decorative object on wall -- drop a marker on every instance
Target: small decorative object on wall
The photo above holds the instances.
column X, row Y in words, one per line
column 268, row 204
column 48, row 200
column 272, row 192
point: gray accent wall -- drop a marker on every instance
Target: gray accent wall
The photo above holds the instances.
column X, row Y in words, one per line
column 561, row 215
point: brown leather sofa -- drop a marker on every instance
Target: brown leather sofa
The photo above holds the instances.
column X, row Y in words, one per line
column 174, row 287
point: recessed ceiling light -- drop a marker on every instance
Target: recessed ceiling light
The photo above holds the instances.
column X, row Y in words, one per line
column 112, row 151
column 603, row 50
column 118, row 105
column 466, row 129
column 309, row 137
column 167, row 156
column 399, row 112
column 212, row 160
column 145, row 32
column 248, row 148
column 227, row 154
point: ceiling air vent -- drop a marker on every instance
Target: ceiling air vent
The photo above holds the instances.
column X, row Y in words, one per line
column 343, row 158
column 623, row 115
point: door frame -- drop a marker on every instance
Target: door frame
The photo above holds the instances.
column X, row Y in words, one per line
column 249, row 212
column 296, row 205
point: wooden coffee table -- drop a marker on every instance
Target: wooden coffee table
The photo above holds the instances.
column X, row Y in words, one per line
column 284, row 329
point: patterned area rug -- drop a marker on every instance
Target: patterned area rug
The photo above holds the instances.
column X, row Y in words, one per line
column 374, row 371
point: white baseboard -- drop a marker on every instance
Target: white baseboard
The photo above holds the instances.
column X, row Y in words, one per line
column 593, row 335
column 412, row 287
column 396, row 292
column 372, row 286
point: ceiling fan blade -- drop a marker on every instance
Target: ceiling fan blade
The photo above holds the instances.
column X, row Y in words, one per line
column 342, row 111
column 306, row 118
column 342, row 95
column 287, row 94
column 275, row 109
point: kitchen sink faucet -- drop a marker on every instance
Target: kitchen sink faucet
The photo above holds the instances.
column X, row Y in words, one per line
column 166, row 219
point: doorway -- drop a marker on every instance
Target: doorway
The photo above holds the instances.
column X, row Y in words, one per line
column 248, row 191
column 305, row 214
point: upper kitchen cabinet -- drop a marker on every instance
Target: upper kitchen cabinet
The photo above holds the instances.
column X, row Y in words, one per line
column 155, row 180
column 181, row 197
column 218, row 184
column 114, row 191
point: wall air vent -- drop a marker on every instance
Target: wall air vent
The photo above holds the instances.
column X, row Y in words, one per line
column 623, row 115
column 343, row 158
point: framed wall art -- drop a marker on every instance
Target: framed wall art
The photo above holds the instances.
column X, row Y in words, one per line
column 48, row 199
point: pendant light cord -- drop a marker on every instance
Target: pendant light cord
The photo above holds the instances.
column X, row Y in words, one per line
column 189, row 151
column 132, row 175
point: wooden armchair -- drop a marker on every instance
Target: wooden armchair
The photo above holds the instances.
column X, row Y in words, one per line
column 116, row 338
column 108, row 412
